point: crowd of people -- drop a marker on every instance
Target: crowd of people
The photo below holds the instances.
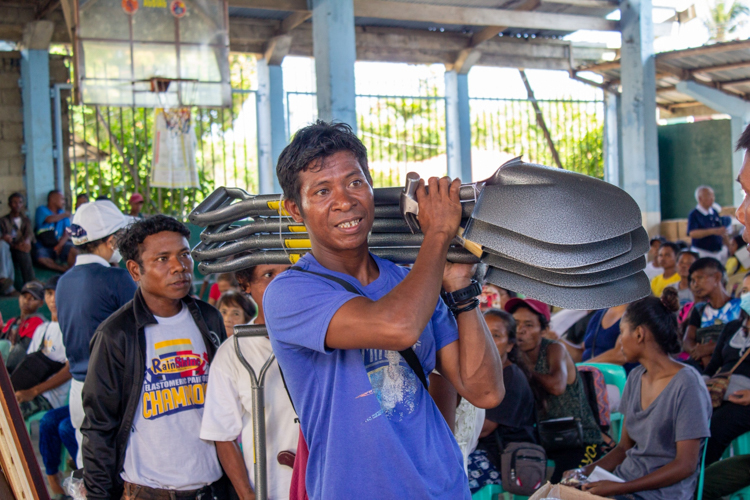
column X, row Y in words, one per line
column 388, row 381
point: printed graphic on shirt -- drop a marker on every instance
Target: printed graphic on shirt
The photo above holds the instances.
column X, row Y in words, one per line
column 175, row 380
column 729, row 312
column 393, row 382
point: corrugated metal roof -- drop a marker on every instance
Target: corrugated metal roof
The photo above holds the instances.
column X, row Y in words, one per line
column 725, row 66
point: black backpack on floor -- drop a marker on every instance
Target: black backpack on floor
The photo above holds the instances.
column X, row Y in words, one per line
column 523, row 468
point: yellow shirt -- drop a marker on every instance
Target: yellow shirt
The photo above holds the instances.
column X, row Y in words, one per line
column 659, row 283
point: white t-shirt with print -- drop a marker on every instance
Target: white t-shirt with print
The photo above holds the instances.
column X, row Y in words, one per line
column 164, row 450
column 54, row 349
column 229, row 406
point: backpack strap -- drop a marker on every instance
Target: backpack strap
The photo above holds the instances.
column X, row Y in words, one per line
column 408, row 354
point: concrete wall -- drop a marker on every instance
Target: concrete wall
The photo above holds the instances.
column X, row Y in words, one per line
column 11, row 122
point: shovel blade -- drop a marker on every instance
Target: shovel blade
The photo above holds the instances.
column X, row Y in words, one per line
column 613, row 293
column 541, row 254
column 555, row 206
column 639, row 238
column 569, row 280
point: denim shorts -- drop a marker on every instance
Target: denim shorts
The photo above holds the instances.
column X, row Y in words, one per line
column 44, row 252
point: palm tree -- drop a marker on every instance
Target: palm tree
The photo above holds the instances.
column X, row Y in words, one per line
column 724, row 19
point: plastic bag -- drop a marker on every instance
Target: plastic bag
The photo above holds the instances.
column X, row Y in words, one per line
column 74, row 487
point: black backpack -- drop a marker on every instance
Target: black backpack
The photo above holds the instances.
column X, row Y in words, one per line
column 523, row 468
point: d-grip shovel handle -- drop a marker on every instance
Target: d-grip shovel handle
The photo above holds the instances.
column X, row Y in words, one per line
column 410, row 210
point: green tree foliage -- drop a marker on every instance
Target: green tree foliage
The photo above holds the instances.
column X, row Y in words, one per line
column 576, row 128
column 725, row 18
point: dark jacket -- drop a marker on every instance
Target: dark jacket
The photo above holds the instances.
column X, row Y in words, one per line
column 114, row 383
column 25, row 232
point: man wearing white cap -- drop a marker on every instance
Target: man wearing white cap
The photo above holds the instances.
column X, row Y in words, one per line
column 90, row 291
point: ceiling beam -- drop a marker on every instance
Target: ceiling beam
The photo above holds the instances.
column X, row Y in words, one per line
column 470, row 55
column 594, row 4
column 441, row 14
column 732, row 83
column 285, row 5
column 277, row 49
column 720, row 67
column 293, row 20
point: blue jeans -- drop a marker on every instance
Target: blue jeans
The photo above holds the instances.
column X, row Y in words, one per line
column 56, row 430
column 44, row 252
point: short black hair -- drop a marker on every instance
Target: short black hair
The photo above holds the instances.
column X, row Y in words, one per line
column 668, row 244
column 82, row 195
column 738, row 240
column 312, row 144
column 707, row 263
column 14, row 195
column 688, row 252
column 510, row 322
column 49, row 195
column 744, row 141
column 90, row 246
column 132, row 239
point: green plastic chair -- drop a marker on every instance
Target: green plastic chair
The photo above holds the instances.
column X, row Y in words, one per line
column 4, row 349
column 613, row 375
column 36, row 417
column 699, row 495
column 495, row 492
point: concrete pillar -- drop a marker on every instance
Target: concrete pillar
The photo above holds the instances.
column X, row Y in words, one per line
column 335, row 51
column 640, row 158
column 37, row 126
column 612, row 149
column 272, row 136
column 458, row 125
column 739, row 111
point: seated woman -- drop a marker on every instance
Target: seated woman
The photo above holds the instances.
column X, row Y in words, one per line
column 731, row 419
column 513, row 420
column 666, row 408
column 562, row 393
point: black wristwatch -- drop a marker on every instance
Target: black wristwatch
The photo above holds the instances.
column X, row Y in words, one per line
column 454, row 300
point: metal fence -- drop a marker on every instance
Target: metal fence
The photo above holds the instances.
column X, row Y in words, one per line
column 401, row 133
column 510, row 126
column 110, row 148
column 110, row 153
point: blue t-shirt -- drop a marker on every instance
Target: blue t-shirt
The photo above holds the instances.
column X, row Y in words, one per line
column 372, row 429
column 606, row 338
column 697, row 220
column 42, row 213
column 85, row 296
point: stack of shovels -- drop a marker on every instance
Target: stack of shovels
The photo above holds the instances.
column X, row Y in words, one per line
column 560, row 237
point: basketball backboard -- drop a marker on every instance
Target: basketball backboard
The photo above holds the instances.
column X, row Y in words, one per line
column 123, row 45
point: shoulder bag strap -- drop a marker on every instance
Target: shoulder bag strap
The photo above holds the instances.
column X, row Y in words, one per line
column 747, row 351
column 408, row 354
column 44, row 336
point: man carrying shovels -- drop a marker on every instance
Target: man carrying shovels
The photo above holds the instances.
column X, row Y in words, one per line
column 355, row 335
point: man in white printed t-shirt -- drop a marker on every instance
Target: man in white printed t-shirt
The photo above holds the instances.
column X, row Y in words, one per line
column 146, row 382
column 229, row 403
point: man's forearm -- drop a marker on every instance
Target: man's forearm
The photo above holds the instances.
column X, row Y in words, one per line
column 480, row 366
column 54, row 381
column 702, row 233
column 234, row 465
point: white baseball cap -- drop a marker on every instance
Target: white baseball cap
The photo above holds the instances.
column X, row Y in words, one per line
column 96, row 220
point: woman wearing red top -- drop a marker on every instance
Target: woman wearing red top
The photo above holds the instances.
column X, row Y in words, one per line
column 19, row 331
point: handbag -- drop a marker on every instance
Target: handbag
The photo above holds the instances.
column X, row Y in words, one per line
column 47, row 237
column 34, row 369
column 718, row 384
column 559, row 434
